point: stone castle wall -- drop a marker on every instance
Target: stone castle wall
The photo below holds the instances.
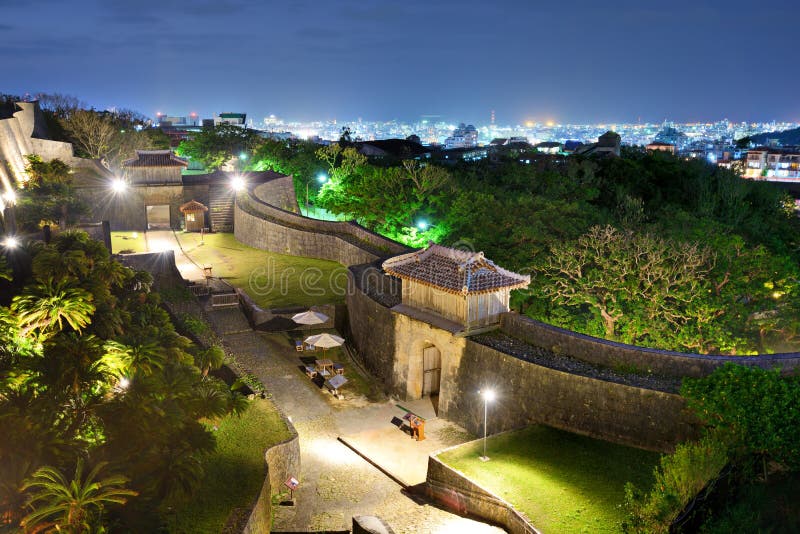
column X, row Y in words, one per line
column 24, row 133
column 260, row 224
column 390, row 346
column 619, row 355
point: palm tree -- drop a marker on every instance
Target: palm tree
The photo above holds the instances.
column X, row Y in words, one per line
column 47, row 306
column 211, row 358
column 78, row 362
column 72, row 506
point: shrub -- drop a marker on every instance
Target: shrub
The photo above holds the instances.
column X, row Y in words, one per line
column 678, row 479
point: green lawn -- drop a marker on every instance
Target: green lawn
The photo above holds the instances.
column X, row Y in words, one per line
column 271, row 280
column 127, row 242
column 234, row 473
column 563, row 482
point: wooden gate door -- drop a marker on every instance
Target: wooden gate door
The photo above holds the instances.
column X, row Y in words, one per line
column 431, row 371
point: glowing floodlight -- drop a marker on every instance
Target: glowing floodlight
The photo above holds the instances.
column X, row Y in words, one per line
column 124, row 383
column 322, row 178
column 10, row 197
column 118, row 185
column 11, row 242
column 237, row 183
column 422, row 225
column 488, row 395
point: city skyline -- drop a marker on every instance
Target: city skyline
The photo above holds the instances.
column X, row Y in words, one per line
column 582, row 63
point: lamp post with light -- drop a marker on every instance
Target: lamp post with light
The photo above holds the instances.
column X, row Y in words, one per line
column 488, row 396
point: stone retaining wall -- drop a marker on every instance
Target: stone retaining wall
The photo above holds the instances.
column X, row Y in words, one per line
column 282, row 461
column 619, row 355
column 280, row 320
column 262, row 225
column 528, row 393
column 456, row 492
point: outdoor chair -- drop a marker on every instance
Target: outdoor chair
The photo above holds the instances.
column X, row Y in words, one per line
column 310, row 372
column 338, row 368
column 298, row 346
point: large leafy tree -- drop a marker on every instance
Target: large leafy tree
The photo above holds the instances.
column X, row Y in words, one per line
column 638, row 286
column 213, row 147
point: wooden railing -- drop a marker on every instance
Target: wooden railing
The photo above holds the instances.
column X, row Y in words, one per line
column 220, row 300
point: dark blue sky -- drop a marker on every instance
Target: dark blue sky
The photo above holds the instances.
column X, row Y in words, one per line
column 576, row 61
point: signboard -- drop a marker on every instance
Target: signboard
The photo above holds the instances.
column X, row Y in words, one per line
column 292, row 483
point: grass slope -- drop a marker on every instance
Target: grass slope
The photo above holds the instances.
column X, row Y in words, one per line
column 271, row 280
column 563, row 482
column 234, row 472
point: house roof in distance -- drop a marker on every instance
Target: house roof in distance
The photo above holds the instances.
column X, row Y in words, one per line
column 454, row 271
column 155, row 158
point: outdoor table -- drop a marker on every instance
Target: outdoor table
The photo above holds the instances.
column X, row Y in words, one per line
column 325, row 367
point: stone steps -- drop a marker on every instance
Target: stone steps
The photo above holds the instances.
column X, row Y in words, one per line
column 220, row 208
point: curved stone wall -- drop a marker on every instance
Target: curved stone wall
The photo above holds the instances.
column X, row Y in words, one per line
column 619, row 355
column 528, row 393
column 260, row 224
column 282, row 461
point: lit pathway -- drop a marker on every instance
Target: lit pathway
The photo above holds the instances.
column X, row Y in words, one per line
column 160, row 240
column 336, row 483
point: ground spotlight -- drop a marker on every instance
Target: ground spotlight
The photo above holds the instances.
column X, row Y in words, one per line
column 11, row 242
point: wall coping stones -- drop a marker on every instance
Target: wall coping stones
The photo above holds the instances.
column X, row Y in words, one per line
column 646, row 360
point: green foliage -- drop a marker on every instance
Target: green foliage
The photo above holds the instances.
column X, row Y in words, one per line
column 90, row 365
column 678, row 479
column 73, row 506
column 213, row 147
column 193, row 324
column 47, row 197
column 758, row 410
column 744, row 300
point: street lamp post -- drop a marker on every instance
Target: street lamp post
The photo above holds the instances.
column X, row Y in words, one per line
column 488, row 396
column 321, row 178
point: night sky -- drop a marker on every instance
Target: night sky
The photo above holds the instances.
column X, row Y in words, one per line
column 569, row 61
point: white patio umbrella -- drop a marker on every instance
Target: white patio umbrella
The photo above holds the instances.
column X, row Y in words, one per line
column 310, row 317
column 325, row 341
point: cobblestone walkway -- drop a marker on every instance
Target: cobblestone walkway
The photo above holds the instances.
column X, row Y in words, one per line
column 335, row 483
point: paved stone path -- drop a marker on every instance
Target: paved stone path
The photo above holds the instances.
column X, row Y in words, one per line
column 160, row 240
column 335, row 482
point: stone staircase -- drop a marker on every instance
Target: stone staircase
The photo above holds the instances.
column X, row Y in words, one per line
column 220, row 209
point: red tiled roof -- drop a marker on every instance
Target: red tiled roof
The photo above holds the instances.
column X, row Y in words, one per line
column 192, row 205
column 155, row 158
column 454, row 271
